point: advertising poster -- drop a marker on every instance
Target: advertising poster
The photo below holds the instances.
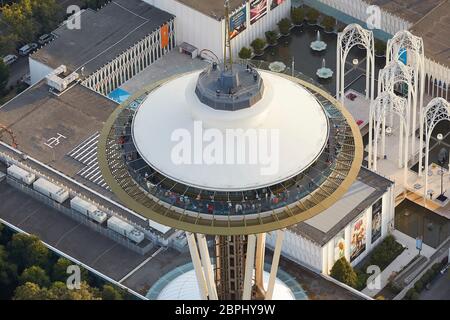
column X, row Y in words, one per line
column 376, row 220
column 339, row 246
column 258, row 9
column 358, row 237
column 275, row 3
column 238, row 22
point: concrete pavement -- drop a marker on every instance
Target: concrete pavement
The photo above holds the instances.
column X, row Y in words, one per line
column 401, row 261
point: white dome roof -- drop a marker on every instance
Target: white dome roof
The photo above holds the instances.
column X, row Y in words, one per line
column 185, row 287
column 286, row 109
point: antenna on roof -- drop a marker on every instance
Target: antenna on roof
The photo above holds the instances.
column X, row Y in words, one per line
column 227, row 56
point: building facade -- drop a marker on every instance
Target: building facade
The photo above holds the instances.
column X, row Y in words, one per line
column 204, row 29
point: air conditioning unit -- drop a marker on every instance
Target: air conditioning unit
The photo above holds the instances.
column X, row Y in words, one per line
column 56, row 82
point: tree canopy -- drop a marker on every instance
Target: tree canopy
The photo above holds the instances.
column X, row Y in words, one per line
column 343, row 272
column 26, row 251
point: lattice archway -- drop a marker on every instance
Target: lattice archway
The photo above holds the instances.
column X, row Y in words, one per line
column 355, row 35
column 436, row 111
column 404, row 42
column 388, row 103
column 394, row 73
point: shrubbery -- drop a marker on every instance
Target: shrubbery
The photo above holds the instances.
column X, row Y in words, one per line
column 343, row 272
column 329, row 23
column 298, row 15
column 312, row 15
column 245, row 53
column 285, row 26
column 271, row 37
column 258, row 45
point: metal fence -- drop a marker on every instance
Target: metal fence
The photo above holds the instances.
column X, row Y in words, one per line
column 81, row 218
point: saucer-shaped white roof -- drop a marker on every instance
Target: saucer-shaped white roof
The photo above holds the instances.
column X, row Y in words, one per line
column 185, row 287
column 288, row 120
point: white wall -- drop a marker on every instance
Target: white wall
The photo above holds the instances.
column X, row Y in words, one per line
column 298, row 249
column 192, row 26
column 321, row 259
column 38, row 70
column 259, row 28
column 204, row 32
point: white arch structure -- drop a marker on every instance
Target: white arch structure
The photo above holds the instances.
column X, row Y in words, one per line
column 389, row 103
column 351, row 36
column 394, row 73
column 436, row 111
column 415, row 59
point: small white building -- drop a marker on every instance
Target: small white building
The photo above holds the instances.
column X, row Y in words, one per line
column 350, row 228
column 201, row 23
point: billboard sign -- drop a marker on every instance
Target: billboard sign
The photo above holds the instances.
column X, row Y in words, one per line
column 376, row 220
column 339, row 246
column 275, row 3
column 238, row 22
column 358, row 237
column 258, row 9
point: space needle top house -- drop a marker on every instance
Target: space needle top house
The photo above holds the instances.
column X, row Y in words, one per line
column 231, row 152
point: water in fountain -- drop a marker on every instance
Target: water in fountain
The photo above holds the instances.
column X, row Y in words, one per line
column 324, row 72
column 318, row 44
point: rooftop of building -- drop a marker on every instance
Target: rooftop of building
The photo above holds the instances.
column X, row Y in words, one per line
column 434, row 28
column 364, row 192
column 410, row 10
column 104, row 35
column 430, row 20
column 213, row 8
column 37, row 115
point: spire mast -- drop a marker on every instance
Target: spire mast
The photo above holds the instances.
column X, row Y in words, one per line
column 227, row 56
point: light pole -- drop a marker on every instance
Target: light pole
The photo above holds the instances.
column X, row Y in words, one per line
column 442, row 160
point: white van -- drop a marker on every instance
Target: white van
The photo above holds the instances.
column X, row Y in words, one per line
column 10, row 59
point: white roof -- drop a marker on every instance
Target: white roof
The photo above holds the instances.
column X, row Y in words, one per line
column 185, row 287
column 286, row 108
column 331, row 216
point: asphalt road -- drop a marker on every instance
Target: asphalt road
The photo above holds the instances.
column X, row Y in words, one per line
column 17, row 70
column 439, row 290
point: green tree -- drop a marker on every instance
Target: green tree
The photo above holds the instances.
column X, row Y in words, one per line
column 258, row 45
column 45, row 13
column 7, row 43
column 30, row 291
column 343, row 272
column 59, row 272
column 8, row 275
column 245, row 53
column 329, row 23
column 285, row 26
column 19, row 16
column 35, row 275
column 298, row 15
column 4, row 77
column 111, row 293
column 312, row 15
column 271, row 37
column 59, row 291
column 26, row 251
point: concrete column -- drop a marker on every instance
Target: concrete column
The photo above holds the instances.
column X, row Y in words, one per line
column 275, row 262
column 197, row 265
column 249, row 266
column 259, row 265
column 207, row 267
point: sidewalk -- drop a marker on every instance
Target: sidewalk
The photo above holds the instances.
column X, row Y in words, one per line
column 401, row 261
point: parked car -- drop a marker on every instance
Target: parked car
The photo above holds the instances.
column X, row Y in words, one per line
column 26, row 49
column 10, row 59
column 45, row 38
